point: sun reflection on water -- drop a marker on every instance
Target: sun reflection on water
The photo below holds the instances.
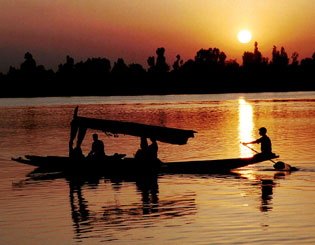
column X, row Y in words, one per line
column 246, row 126
column 249, row 174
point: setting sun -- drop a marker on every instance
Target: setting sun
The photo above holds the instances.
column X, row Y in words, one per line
column 244, row 36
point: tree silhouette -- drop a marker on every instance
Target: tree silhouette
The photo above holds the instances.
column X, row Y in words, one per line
column 254, row 60
column 189, row 66
column 161, row 65
column 294, row 58
column 136, row 69
column 257, row 54
column 120, row 66
column 279, row 59
column 209, row 60
column 178, row 63
column 248, row 59
column 68, row 67
column 29, row 65
column 151, row 63
column 208, row 72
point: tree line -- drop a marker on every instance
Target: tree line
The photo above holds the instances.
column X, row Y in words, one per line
column 208, row 72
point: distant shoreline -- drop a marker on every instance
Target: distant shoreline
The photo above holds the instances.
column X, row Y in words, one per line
column 205, row 92
column 134, row 99
column 208, row 73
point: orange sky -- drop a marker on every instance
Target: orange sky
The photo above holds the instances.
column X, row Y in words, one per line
column 133, row 29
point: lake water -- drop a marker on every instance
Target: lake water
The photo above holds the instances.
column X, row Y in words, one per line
column 235, row 208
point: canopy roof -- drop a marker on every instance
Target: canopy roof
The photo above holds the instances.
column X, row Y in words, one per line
column 163, row 134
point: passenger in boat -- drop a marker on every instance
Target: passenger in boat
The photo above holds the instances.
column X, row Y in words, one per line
column 97, row 150
column 265, row 143
column 153, row 149
column 146, row 151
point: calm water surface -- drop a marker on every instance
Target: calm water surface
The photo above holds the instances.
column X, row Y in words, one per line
column 46, row 208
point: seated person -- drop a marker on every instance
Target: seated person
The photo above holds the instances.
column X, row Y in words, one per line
column 153, row 149
column 97, row 151
column 265, row 143
column 147, row 152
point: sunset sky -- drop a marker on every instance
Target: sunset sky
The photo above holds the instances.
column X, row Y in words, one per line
column 133, row 29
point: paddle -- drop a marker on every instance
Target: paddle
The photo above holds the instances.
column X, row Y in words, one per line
column 257, row 152
column 277, row 165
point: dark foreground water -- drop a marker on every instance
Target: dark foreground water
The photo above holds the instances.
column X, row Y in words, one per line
column 45, row 208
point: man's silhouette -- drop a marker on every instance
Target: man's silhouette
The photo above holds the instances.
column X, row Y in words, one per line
column 264, row 141
column 97, row 150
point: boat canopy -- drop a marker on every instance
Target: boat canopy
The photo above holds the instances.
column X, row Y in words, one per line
column 163, row 134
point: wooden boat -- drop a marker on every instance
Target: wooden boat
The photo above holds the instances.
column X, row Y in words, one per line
column 118, row 164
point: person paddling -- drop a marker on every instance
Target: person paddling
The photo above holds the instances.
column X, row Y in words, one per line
column 264, row 141
column 266, row 151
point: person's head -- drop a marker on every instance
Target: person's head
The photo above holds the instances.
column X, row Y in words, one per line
column 279, row 165
column 95, row 137
column 153, row 140
column 262, row 131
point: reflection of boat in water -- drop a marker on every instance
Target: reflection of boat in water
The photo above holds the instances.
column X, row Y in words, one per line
column 118, row 164
column 103, row 204
column 122, row 203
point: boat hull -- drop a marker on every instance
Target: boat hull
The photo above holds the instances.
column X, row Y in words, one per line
column 116, row 165
column 212, row 166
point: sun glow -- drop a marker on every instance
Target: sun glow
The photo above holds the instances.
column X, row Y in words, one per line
column 244, row 36
column 246, row 126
